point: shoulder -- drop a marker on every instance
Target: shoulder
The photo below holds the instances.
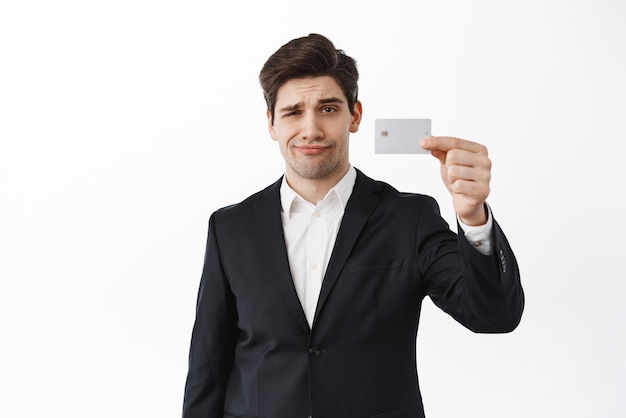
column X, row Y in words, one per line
column 390, row 195
column 246, row 206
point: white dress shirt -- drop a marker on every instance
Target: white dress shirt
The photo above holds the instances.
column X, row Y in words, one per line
column 310, row 233
column 311, row 230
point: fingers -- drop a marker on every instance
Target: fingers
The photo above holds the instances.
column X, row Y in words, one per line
column 474, row 173
column 465, row 167
column 462, row 158
column 456, row 153
column 475, row 192
column 447, row 143
column 466, row 172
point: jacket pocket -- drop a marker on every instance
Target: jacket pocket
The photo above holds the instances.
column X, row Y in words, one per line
column 229, row 415
column 374, row 264
column 414, row 411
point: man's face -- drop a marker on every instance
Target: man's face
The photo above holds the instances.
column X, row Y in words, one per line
column 312, row 124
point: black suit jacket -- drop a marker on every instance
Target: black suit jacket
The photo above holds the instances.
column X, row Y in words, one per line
column 253, row 353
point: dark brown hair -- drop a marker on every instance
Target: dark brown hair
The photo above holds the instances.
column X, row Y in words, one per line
column 309, row 56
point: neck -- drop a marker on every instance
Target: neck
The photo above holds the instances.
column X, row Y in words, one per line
column 313, row 190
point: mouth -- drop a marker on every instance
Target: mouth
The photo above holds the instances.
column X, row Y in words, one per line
column 311, row 149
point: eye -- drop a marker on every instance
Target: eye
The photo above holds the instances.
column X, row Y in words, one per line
column 292, row 113
column 328, row 109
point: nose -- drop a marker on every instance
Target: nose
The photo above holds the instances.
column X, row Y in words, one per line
column 311, row 128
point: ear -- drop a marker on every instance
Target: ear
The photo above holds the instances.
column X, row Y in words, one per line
column 270, row 126
column 356, row 117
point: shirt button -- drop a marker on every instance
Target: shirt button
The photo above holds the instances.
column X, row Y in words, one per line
column 314, row 352
column 477, row 243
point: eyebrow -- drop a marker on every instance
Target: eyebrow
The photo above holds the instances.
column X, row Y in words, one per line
column 296, row 106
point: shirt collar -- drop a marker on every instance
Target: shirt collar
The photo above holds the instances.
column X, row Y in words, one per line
column 343, row 190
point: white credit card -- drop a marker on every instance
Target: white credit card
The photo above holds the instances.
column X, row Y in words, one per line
column 401, row 136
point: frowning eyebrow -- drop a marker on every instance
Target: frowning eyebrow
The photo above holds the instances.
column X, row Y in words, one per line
column 296, row 106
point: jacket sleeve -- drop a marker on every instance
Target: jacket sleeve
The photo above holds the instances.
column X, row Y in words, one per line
column 482, row 292
column 213, row 338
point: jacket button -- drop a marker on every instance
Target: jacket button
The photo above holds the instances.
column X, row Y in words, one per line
column 314, row 352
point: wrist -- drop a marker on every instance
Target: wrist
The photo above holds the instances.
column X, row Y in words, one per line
column 477, row 218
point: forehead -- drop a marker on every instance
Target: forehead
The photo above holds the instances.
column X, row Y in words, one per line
column 312, row 88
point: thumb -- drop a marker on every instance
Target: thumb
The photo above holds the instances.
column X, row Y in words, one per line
column 429, row 144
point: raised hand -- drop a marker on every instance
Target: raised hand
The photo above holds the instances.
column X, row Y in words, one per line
column 466, row 172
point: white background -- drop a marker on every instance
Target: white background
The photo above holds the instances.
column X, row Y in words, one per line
column 124, row 124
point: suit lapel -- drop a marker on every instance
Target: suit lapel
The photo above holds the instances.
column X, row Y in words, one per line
column 268, row 215
column 358, row 210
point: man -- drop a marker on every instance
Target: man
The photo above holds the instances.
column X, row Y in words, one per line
column 311, row 291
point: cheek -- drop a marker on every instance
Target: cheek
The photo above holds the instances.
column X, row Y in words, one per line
column 282, row 134
column 283, row 146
